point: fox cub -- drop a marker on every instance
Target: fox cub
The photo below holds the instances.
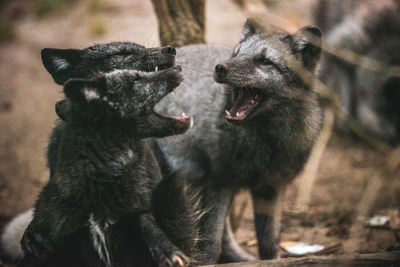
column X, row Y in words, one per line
column 97, row 208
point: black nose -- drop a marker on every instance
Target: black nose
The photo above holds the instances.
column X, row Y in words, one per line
column 220, row 69
column 169, row 50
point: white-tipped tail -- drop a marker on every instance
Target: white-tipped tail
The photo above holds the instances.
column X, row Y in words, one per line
column 12, row 234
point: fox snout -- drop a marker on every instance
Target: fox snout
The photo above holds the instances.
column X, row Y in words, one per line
column 160, row 58
column 174, row 76
column 220, row 73
column 168, row 50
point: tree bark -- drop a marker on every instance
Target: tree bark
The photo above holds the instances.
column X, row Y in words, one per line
column 180, row 22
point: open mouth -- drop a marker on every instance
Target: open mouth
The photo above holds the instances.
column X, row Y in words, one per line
column 179, row 123
column 246, row 102
column 160, row 67
column 185, row 120
column 161, row 64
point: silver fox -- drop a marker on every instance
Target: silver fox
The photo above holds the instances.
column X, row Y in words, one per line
column 254, row 129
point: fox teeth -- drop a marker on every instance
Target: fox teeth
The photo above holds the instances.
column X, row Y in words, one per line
column 174, row 90
column 183, row 114
column 227, row 112
column 237, row 114
column 252, row 101
column 156, row 68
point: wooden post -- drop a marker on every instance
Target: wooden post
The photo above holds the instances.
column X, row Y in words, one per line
column 180, row 22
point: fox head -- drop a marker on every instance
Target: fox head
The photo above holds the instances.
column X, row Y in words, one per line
column 269, row 71
column 64, row 64
column 125, row 99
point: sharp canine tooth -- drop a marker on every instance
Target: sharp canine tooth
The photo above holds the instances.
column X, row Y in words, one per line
column 227, row 112
column 183, row 114
column 252, row 101
column 237, row 114
column 156, row 68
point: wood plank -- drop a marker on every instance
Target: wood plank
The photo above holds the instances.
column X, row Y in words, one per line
column 391, row 258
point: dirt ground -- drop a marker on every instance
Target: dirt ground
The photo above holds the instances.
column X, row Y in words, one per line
column 28, row 95
column 346, row 169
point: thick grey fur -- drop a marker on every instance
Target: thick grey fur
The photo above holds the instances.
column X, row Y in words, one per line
column 262, row 154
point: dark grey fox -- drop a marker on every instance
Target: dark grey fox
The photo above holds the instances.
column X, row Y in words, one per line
column 371, row 29
column 273, row 120
column 64, row 64
column 97, row 208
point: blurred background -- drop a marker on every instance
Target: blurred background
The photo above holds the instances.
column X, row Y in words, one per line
column 353, row 173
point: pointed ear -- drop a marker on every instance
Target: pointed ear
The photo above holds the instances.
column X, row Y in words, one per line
column 308, row 44
column 250, row 28
column 60, row 63
column 82, row 91
column 85, row 98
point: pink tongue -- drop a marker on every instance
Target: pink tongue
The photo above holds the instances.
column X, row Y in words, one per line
column 240, row 104
column 245, row 105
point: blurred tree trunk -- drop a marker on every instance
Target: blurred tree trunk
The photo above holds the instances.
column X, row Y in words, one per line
column 240, row 3
column 180, row 22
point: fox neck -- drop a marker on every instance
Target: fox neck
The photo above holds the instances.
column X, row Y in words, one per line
column 106, row 145
column 290, row 131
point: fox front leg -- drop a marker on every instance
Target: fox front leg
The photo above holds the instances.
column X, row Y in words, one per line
column 266, row 203
column 216, row 202
column 162, row 250
column 48, row 229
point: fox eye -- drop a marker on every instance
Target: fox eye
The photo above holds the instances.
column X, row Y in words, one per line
column 266, row 61
column 262, row 60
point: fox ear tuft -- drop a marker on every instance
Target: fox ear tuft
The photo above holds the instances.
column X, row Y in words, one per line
column 60, row 63
column 250, row 28
column 309, row 43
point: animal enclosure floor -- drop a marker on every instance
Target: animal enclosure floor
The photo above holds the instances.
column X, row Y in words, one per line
column 345, row 170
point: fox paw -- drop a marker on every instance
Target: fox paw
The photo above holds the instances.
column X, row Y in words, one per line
column 36, row 245
column 179, row 259
column 170, row 257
